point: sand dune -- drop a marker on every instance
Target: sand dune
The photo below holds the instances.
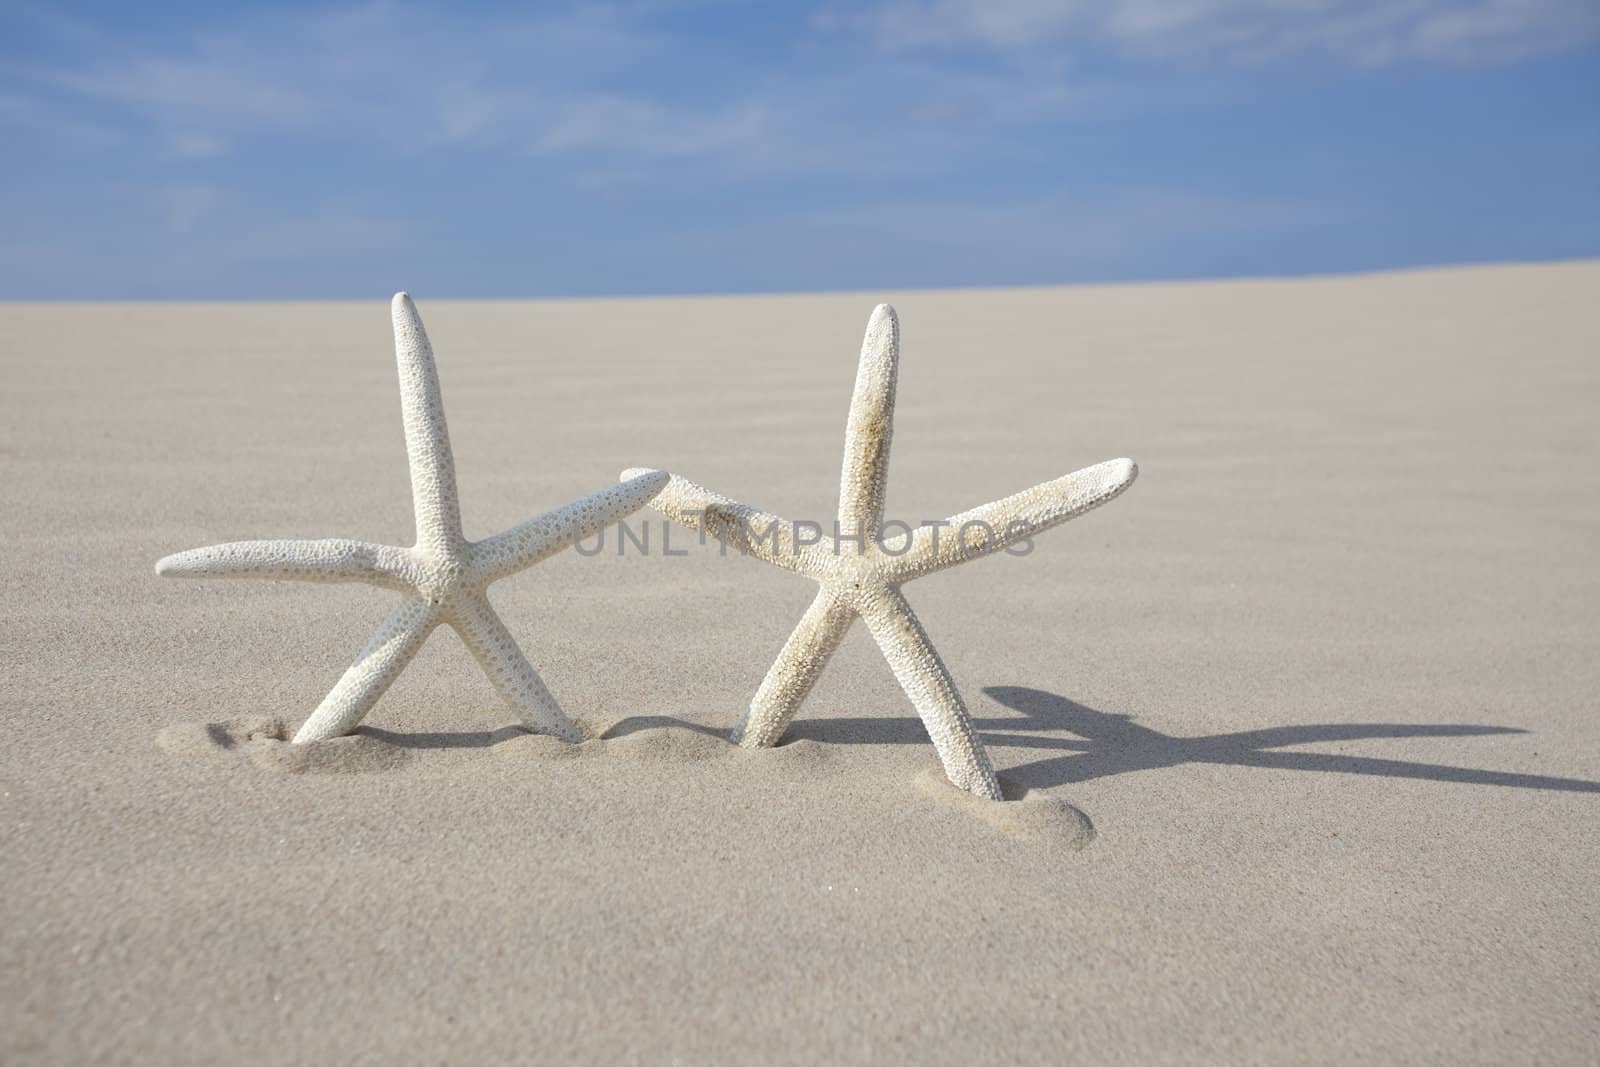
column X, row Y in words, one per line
column 1303, row 730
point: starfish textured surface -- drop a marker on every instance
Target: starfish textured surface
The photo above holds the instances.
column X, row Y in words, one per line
column 444, row 578
column 860, row 570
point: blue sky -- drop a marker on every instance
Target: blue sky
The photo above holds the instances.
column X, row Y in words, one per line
column 254, row 151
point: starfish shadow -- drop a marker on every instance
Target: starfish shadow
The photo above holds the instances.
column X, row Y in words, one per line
column 444, row 739
column 1102, row 744
column 633, row 724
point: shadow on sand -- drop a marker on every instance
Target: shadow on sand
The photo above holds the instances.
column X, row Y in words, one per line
column 488, row 739
column 452, row 739
column 1103, row 744
column 1095, row 744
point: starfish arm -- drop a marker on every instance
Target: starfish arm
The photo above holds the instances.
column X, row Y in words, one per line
column 542, row 537
column 433, row 470
column 795, row 671
column 514, row 678
column 328, row 560
column 379, row 664
column 864, row 480
column 750, row 530
column 992, row 527
column 924, row 677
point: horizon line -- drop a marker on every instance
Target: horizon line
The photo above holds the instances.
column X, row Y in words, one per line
column 1193, row 280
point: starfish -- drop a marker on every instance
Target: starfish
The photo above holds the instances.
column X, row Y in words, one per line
column 444, row 578
column 865, row 581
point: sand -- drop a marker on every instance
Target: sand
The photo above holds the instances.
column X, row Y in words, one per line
column 1322, row 686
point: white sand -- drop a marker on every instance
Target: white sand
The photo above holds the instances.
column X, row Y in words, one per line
column 1324, row 680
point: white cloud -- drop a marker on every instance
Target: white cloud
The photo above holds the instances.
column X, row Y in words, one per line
column 22, row 111
column 1058, row 236
column 326, row 234
column 600, row 85
column 595, row 86
column 197, row 145
column 1068, row 226
column 607, row 122
column 188, row 205
column 1357, row 31
column 395, row 72
column 194, row 213
column 598, row 98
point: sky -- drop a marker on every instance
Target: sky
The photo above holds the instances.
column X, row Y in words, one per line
column 294, row 151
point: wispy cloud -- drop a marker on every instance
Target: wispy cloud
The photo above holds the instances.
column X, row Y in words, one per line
column 600, row 82
column 187, row 205
column 25, row 111
column 1357, row 31
column 196, row 213
column 1060, row 235
column 327, row 232
column 197, row 145
column 567, row 85
column 394, row 71
column 576, row 146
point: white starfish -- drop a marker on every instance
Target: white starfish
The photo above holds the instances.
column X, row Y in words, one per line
column 864, row 579
column 444, row 577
